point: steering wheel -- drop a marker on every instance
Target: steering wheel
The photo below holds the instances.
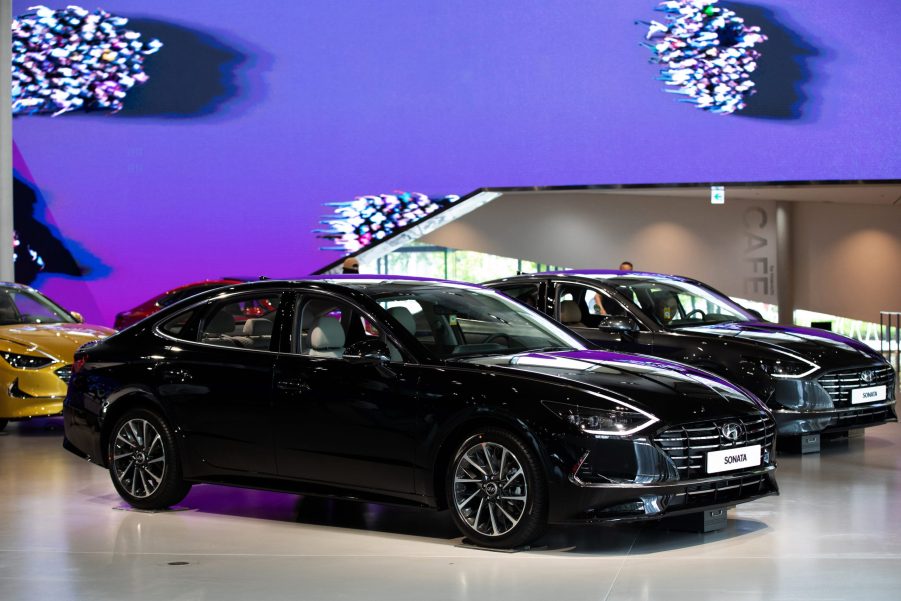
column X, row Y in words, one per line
column 690, row 313
column 491, row 338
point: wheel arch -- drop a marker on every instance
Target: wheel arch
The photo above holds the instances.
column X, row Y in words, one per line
column 468, row 426
column 118, row 404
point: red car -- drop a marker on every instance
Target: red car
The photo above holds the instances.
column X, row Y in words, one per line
column 127, row 318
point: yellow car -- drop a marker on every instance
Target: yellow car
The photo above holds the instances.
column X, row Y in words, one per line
column 38, row 339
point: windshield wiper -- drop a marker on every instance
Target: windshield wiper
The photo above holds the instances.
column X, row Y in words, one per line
column 547, row 349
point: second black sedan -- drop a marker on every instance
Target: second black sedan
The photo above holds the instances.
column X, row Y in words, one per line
column 413, row 391
column 813, row 380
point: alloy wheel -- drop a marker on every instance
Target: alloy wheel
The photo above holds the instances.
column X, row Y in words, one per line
column 490, row 489
column 139, row 458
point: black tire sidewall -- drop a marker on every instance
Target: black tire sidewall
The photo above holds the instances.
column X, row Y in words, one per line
column 534, row 520
column 172, row 488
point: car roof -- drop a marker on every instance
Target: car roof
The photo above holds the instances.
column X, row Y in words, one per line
column 364, row 279
column 598, row 274
column 355, row 281
column 619, row 273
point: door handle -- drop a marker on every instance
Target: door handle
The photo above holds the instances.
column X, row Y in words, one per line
column 176, row 376
column 292, row 385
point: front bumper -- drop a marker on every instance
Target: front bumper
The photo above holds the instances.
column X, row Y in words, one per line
column 796, row 423
column 31, row 393
column 612, row 502
column 600, row 478
column 806, row 407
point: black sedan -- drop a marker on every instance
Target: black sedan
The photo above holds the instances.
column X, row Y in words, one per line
column 814, row 380
column 410, row 391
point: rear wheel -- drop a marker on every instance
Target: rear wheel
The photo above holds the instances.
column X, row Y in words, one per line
column 3, row 423
column 497, row 491
column 144, row 463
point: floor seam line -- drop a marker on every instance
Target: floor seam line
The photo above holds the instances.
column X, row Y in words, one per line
column 622, row 564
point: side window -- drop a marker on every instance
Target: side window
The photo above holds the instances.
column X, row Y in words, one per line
column 327, row 326
column 244, row 322
column 582, row 306
column 576, row 305
column 412, row 316
column 524, row 293
column 175, row 326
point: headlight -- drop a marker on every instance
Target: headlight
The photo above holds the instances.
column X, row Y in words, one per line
column 789, row 367
column 620, row 420
column 26, row 361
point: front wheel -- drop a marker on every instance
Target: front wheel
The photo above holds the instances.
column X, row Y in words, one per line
column 497, row 491
column 3, row 423
column 144, row 463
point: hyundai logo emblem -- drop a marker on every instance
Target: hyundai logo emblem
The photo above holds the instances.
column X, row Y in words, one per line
column 867, row 376
column 731, row 431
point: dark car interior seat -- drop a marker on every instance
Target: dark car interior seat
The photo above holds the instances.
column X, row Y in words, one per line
column 327, row 338
column 257, row 333
column 404, row 317
column 666, row 307
column 571, row 314
column 220, row 330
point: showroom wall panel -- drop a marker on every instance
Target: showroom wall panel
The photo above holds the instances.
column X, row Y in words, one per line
column 731, row 246
column 847, row 259
column 257, row 113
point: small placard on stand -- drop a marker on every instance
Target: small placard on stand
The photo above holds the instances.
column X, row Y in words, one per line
column 709, row 520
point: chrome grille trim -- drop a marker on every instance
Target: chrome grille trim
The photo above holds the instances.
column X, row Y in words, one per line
column 687, row 445
column 838, row 384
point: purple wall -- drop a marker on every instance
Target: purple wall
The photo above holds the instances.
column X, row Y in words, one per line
column 258, row 112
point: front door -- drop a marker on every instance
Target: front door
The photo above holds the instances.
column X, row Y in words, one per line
column 342, row 420
column 583, row 308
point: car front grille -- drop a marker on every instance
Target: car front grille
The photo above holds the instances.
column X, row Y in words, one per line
column 840, row 383
column 64, row 373
column 688, row 445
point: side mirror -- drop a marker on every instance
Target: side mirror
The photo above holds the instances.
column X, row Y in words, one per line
column 371, row 350
column 77, row 316
column 755, row 313
column 617, row 323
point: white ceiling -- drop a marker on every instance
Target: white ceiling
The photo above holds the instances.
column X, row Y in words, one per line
column 876, row 194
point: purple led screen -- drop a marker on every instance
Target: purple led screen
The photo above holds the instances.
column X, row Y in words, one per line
column 256, row 114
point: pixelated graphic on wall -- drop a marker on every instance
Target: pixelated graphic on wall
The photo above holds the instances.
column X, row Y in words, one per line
column 73, row 59
column 367, row 219
column 707, row 52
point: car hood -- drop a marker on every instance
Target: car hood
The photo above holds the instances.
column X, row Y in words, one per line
column 673, row 392
column 820, row 346
column 59, row 340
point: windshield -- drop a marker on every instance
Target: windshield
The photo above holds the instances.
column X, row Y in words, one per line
column 26, row 306
column 456, row 322
column 677, row 304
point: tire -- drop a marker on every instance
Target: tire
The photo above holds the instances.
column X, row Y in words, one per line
column 144, row 464
column 497, row 490
column 3, row 423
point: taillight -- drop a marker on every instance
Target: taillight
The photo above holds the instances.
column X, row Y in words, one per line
column 78, row 364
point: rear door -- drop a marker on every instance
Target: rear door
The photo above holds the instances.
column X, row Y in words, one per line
column 218, row 380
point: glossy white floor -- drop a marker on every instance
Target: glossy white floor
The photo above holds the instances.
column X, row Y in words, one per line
column 834, row 533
